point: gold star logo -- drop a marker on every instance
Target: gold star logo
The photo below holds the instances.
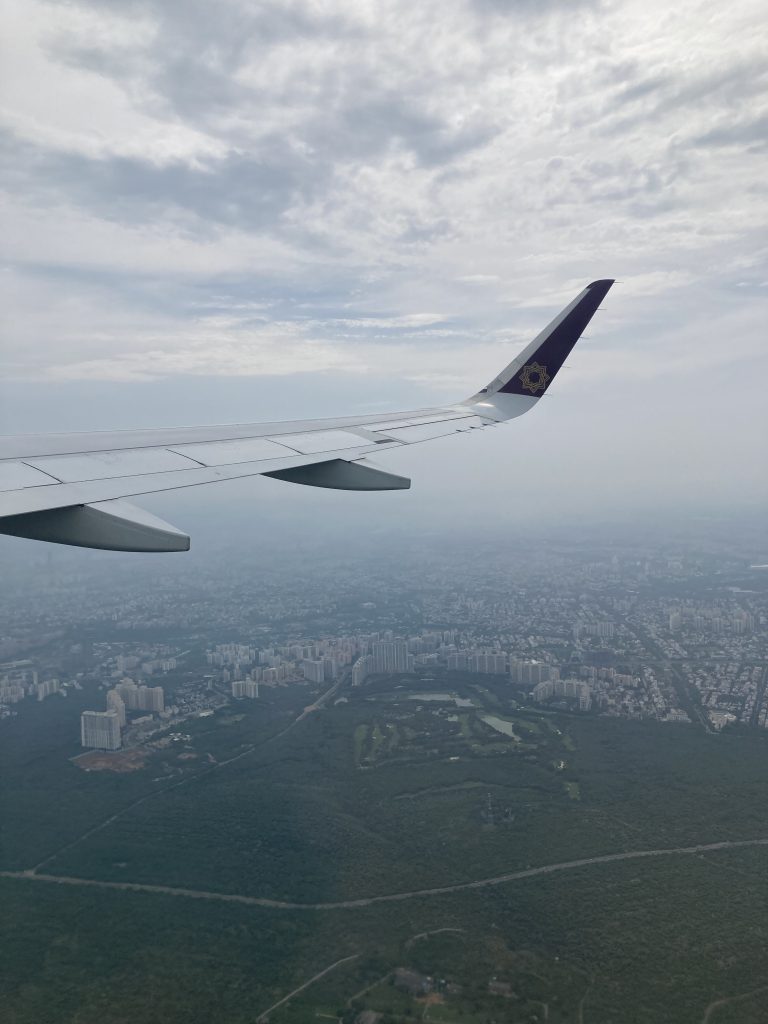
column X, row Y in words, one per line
column 534, row 378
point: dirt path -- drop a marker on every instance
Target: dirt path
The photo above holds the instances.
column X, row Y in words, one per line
column 426, row 935
column 714, row 1007
column 583, row 1000
column 258, row 901
column 327, row 970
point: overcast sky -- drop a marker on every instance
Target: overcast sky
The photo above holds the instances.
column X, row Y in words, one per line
column 243, row 210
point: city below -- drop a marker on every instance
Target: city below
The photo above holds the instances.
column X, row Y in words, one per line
column 515, row 779
column 675, row 637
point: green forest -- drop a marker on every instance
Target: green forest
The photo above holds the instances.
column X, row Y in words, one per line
column 401, row 786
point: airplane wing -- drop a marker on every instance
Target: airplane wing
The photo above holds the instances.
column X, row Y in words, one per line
column 69, row 488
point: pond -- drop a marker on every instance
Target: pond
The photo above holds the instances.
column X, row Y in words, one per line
column 447, row 698
column 501, row 726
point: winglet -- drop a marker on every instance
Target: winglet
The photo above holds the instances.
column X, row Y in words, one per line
column 531, row 373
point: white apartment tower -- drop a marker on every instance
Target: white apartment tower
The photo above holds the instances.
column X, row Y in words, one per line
column 116, row 703
column 391, row 656
column 100, row 729
column 314, row 670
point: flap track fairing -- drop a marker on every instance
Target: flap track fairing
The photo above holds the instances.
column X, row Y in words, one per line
column 107, row 525
column 343, row 476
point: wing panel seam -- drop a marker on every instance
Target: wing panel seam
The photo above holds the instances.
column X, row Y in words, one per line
column 39, row 470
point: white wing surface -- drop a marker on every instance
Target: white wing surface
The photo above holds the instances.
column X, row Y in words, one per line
column 69, row 488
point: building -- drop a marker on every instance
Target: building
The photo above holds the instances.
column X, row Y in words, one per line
column 391, row 656
column 46, row 688
column 116, row 703
column 125, row 662
column 129, row 693
column 528, row 673
column 543, row 691
column 141, row 698
column 100, row 730
column 457, row 662
column 314, row 670
column 573, row 689
column 360, row 670
column 488, row 664
column 151, row 698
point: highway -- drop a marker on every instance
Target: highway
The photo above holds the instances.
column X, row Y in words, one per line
column 257, row 901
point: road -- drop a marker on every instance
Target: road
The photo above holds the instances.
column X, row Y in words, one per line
column 693, row 709
column 258, row 901
column 712, row 1009
column 327, row 970
column 320, row 702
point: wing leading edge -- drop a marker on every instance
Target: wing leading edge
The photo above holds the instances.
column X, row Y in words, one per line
column 68, row 488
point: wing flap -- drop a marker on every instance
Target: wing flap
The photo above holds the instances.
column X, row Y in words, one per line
column 316, row 441
column 14, row 475
column 227, row 453
column 68, row 469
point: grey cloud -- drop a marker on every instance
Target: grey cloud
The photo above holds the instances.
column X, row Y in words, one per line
column 752, row 133
column 358, row 110
column 647, row 189
column 239, row 190
column 364, row 127
column 530, row 8
column 205, row 27
column 728, row 87
column 251, row 191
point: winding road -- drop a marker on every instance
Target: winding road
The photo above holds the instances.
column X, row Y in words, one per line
column 368, row 901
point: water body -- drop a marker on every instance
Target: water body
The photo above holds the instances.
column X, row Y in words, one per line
column 500, row 726
column 446, row 698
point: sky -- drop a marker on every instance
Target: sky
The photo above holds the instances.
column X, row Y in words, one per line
column 246, row 211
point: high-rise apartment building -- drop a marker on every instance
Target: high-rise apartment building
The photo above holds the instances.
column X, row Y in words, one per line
column 153, row 699
column 391, row 656
column 141, row 698
column 314, row 670
column 529, row 672
column 360, row 670
column 100, row 730
column 116, row 703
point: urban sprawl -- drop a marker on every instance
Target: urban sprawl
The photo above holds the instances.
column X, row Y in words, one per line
column 645, row 637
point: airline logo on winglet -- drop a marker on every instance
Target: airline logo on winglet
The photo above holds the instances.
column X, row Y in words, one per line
column 548, row 351
column 534, row 378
